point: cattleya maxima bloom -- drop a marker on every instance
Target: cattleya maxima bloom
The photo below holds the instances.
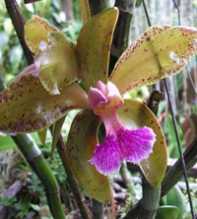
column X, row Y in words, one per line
column 120, row 143
column 45, row 91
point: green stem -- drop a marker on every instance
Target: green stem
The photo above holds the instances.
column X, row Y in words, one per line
column 25, row 144
column 97, row 209
column 122, row 32
column 61, row 147
column 39, row 165
column 18, row 23
column 147, row 207
column 97, row 6
column 150, row 201
column 175, row 173
column 129, row 184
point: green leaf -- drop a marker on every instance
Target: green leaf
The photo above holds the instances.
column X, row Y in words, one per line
column 36, row 31
column 168, row 212
column 81, row 144
column 138, row 3
column 6, row 143
column 94, row 46
column 176, row 197
column 58, row 64
column 136, row 114
column 158, row 53
column 26, row 106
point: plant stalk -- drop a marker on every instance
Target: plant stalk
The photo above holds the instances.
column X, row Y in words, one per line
column 97, row 209
column 97, row 6
column 147, row 207
column 61, row 147
column 26, row 145
column 175, row 173
column 18, row 23
column 122, row 32
column 35, row 159
column 150, row 201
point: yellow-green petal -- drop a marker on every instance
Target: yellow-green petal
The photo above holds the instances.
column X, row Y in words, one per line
column 58, row 63
column 93, row 47
column 25, row 106
column 36, row 31
column 158, row 53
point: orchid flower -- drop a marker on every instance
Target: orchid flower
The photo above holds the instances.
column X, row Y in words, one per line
column 46, row 90
column 120, row 143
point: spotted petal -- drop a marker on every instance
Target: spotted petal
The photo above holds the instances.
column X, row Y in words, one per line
column 25, row 106
column 36, row 31
column 136, row 145
column 158, row 53
column 107, row 157
column 58, row 63
column 53, row 54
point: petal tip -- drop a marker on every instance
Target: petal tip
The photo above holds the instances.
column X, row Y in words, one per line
column 136, row 145
column 106, row 157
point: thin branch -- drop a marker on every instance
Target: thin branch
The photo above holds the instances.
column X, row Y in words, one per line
column 28, row 148
column 122, row 32
column 177, row 7
column 61, row 147
column 97, row 6
column 39, row 165
column 18, row 23
column 175, row 173
column 97, row 209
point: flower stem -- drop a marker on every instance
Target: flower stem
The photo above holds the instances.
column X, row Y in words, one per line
column 97, row 209
column 175, row 173
column 25, row 144
column 39, row 165
column 97, row 6
column 122, row 32
column 61, row 147
column 18, row 22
